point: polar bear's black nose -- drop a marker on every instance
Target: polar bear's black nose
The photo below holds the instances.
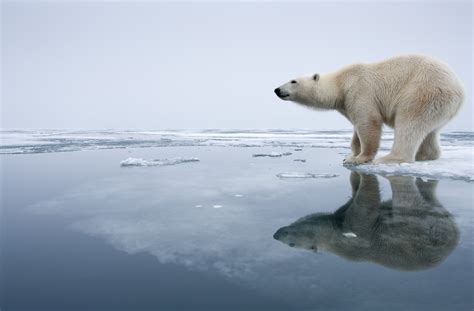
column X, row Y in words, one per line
column 277, row 91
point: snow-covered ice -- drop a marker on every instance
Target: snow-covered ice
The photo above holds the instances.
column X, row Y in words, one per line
column 305, row 175
column 455, row 163
column 157, row 162
column 45, row 141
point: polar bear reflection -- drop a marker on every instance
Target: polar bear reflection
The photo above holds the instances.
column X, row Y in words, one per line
column 412, row 231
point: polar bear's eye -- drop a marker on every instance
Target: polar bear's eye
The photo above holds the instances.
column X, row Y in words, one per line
column 293, row 81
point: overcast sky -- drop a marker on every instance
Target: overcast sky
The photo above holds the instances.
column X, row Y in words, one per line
column 205, row 65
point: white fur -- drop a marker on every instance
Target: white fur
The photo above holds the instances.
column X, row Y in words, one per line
column 414, row 94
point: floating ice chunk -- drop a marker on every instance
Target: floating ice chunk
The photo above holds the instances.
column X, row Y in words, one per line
column 238, row 195
column 134, row 162
column 272, row 154
column 299, row 160
column 305, row 175
column 157, row 162
column 217, row 206
column 198, row 205
column 349, row 234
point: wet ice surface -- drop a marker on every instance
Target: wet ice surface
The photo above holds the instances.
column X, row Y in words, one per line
column 226, row 231
column 456, row 161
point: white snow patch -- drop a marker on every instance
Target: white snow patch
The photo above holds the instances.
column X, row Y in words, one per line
column 198, row 205
column 217, row 206
column 305, row 175
column 157, row 162
column 238, row 195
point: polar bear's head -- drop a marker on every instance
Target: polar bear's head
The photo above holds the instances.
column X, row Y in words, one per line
column 302, row 89
column 313, row 91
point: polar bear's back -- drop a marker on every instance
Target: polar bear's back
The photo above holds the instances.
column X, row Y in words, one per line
column 414, row 83
column 415, row 69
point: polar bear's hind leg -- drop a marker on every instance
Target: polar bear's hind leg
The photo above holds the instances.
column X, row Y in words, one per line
column 429, row 149
column 408, row 138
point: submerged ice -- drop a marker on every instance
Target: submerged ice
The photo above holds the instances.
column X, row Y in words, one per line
column 157, row 162
column 273, row 154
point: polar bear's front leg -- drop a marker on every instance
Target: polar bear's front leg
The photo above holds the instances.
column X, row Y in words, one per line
column 355, row 148
column 368, row 135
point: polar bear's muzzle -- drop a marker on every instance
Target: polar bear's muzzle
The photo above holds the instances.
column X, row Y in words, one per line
column 281, row 93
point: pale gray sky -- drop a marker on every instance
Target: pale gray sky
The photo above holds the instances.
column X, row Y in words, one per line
column 92, row 64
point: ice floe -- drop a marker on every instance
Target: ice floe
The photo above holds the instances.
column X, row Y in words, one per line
column 455, row 163
column 305, row 175
column 273, row 154
column 157, row 162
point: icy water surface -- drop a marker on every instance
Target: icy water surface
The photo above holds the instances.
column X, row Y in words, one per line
column 206, row 225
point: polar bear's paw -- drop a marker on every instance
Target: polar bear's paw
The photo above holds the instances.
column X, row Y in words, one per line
column 349, row 158
column 360, row 159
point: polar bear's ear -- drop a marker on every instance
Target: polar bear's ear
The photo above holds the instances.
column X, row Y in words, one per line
column 316, row 77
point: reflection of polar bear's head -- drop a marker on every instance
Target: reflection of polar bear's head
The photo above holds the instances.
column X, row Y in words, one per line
column 309, row 233
column 411, row 231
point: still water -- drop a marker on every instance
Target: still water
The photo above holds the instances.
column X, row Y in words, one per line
column 80, row 232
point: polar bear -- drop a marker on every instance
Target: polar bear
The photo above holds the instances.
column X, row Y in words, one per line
column 412, row 231
column 414, row 94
